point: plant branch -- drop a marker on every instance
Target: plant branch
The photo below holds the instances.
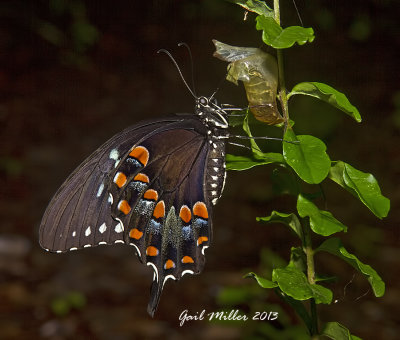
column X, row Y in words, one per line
column 282, row 87
column 307, row 247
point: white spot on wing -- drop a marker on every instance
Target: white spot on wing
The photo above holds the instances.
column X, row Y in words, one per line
column 103, row 228
column 213, row 185
column 137, row 249
column 118, row 228
column 100, row 191
column 73, row 233
column 114, row 154
column 204, row 248
column 87, row 246
column 119, row 241
column 154, row 267
column 102, row 242
column 73, row 248
column 168, row 277
column 88, row 231
column 187, row 272
column 110, row 198
column 59, row 251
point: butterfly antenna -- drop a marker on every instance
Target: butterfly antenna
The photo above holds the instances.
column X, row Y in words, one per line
column 219, row 85
column 298, row 13
column 179, row 70
column 191, row 64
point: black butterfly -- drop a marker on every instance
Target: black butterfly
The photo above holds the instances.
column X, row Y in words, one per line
column 151, row 186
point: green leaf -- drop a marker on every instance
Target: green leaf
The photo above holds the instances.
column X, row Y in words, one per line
column 321, row 222
column 327, row 94
column 290, row 220
column 362, row 185
column 297, row 306
column 240, row 163
column 264, row 283
column 336, row 331
column 307, row 158
column 277, row 37
column 335, row 247
column 294, row 283
column 257, row 6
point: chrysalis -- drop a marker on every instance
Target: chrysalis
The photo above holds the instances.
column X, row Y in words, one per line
column 259, row 73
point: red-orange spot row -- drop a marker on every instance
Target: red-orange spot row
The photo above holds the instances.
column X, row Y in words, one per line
column 151, row 251
column 200, row 209
column 135, row 233
column 141, row 178
column 124, row 207
column 187, row 259
column 202, row 239
column 120, row 179
column 185, row 214
column 150, row 195
column 141, row 154
column 159, row 210
column 169, row 264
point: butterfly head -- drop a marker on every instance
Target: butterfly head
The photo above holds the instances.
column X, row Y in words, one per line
column 210, row 112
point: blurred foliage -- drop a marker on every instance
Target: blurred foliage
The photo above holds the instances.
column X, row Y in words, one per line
column 63, row 305
column 360, row 28
column 61, row 23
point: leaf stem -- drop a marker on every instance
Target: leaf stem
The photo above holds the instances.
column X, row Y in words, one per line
column 282, row 87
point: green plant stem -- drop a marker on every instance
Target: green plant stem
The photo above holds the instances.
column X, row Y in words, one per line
column 307, row 247
column 282, row 87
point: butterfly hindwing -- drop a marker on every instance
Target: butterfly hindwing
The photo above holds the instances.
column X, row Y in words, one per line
column 159, row 197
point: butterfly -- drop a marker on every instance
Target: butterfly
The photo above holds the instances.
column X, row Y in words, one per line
column 151, row 186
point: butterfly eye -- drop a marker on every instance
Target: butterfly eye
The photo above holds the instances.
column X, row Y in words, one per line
column 203, row 101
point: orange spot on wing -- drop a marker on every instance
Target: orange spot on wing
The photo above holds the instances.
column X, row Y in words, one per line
column 159, row 210
column 185, row 214
column 141, row 178
column 202, row 239
column 124, row 207
column 200, row 209
column 141, row 154
column 151, row 251
column 135, row 233
column 169, row 264
column 150, row 195
column 187, row 259
column 120, row 179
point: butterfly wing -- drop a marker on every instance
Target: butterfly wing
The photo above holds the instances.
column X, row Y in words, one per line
column 147, row 187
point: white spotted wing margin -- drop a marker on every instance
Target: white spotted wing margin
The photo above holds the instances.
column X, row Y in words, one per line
column 79, row 215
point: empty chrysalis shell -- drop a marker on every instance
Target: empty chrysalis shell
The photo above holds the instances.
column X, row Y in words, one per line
column 259, row 73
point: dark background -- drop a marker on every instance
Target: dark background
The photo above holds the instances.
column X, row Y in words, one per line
column 73, row 73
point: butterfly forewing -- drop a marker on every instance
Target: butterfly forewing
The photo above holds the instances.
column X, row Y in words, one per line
column 79, row 207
